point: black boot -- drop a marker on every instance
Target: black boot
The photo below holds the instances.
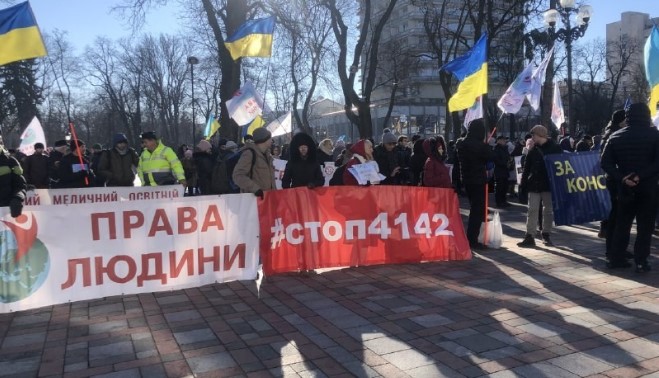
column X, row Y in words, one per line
column 546, row 239
column 528, row 242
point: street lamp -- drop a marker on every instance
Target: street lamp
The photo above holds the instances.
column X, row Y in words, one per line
column 568, row 34
column 192, row 60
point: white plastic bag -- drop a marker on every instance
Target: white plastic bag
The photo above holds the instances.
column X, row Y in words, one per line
column 494, row 232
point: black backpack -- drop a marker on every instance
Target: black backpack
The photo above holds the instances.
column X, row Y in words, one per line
column 222, row 173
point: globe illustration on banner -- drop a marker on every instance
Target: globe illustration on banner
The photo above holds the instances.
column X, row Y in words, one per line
column 24, row 260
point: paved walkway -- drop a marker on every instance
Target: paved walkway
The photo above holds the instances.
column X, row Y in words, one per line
column 545, row 312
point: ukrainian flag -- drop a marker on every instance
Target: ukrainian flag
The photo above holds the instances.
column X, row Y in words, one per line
column 253, row 38
column 471, row 70
column 652, row 68
column 20, row 37
column 255, row 124
column 211, row 127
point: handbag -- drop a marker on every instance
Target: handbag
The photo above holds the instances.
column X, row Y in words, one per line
column 494, row 232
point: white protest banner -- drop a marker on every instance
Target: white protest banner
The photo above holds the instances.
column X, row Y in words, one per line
column 280, row 167
column 328, row 171
column 57, row 254
column 101, row 195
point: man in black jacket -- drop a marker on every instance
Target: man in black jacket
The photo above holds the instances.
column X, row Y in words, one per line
column 631, row 159
column 473, row 154
column 535, row 180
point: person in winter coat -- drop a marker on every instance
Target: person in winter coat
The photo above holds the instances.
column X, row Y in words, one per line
column 417, row 162
column 190, row 169
column 12, row 182
column 254, row 172
column 35, row 168
column 501, row 160
column 302, row 168
column 435, row 172
column 362, row 152
column 204, row 160
column 325, row 150
column 75, row 169
column 387, row 158
column 60, row 149
column 631, row 159
column 473, row 155
column 118, row 165
column 535, row 180
column 608, row 225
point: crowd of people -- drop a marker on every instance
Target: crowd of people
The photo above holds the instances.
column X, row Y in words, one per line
column 471, row 165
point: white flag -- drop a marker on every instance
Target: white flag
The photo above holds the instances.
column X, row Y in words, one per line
column 33, row 134
column 280, row 126
column 512, row 100
column 475, row 112
column 537, row 80
column 245, row 105
column 557, row 112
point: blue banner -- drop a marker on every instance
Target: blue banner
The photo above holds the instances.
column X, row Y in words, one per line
column 578, row 188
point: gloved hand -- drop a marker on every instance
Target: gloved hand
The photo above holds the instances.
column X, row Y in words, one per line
column 16, row 207
column 259, row 193
column 311, row 185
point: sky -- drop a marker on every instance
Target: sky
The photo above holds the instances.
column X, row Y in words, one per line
column 86, row 19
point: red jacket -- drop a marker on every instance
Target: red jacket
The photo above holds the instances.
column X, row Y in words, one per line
column 436, row 174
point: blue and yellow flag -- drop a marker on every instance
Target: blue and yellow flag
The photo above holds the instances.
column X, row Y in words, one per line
column 20, row 37
column 255, row 124
column 471, row 70
column 212, row 125
column 652, row 68
column 253, row 38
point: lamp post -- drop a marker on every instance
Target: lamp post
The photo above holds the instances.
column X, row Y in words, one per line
column 568, row 34
column 192, row 60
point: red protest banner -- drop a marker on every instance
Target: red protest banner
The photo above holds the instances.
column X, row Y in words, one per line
column 350, row 226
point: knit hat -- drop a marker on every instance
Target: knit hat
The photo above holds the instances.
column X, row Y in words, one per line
column 539, row 130
column 261, row 135
column 389, row 138
column 38, row 145
column 61, row 143
column 617, row 117
column 72, row 143
column 401, row 138
column 638, row 114
column 230, row 145
column 97, row 146
column 119, row 138
column 149, row 135
column 204, row 146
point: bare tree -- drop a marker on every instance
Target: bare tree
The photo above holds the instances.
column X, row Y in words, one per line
column 358, row 107
column 590, row 88
column 619, row 63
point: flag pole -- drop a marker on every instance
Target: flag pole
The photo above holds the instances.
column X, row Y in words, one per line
column 72, row 129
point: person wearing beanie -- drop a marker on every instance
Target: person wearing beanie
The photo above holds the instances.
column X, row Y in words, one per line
column 403, row 158
column 94, row 154
column 159, row 165
column 473, row 155
column 61, row 148
column 35, row 168
column 631, row 159
column 118, row 164
column 12, row 183
column 535, row 181
column 385, row 155
column 254, row 172
column 75, row 169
